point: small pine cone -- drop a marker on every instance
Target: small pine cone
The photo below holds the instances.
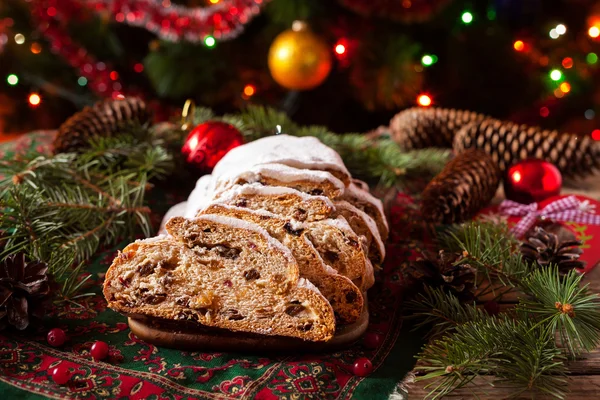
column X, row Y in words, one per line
column 466, row 185
column 544, row 248
column 24, row 288
column 417, row 128
column 445, row 270
column 104, row 118
column 508, row 143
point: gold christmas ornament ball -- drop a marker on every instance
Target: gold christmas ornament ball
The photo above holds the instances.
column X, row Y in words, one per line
column 299, row 59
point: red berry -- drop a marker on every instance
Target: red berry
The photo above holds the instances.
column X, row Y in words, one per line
column 492, row 307
column 372, row 340
column 99, row 350
column 60, row 374
column 362, row 367
column 56, row 337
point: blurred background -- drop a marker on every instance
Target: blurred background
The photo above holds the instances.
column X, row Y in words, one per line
column 351, row 65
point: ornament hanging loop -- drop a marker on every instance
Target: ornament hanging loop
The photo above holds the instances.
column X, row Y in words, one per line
column 187, row 114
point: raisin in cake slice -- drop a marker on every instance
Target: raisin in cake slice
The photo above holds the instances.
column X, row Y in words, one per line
column 342, row 249
column 320, row 183
column 345, row 298
column 299, row 152
column 287, row 202
column 363, row 225
column 219, row 272
column 362, row 199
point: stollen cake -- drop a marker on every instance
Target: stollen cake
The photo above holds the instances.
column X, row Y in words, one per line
column 345, row 298
column 319, row 183
column 287, row 202
column 299, row 152
column 221, row 272
column 279, row 240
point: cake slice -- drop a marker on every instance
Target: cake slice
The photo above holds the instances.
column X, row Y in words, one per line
column 342, row 249
column 219, row 272
column 363, row 225
column 283, row 201
column 320, row 183
column 362, row 199
column 299, row 152
column 345, row 298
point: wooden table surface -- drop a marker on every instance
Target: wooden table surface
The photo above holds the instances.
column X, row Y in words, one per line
column 584, row 375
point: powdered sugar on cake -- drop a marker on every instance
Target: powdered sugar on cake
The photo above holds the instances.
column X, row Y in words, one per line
column 299, row 152
column 280, row 172
column 355, row 191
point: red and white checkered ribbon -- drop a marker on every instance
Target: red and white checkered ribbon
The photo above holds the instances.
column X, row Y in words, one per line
column 567, row 209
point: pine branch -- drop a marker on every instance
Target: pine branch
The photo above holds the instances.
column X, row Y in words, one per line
column 440, row 311
column 61, row 209
column 568, row 311
column 520, row 356
column 377, row 161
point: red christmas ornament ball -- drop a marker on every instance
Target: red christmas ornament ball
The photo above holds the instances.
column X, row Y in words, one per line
column 56, row 337
column 362, row 367
column 207, row 143
column 532, row 181
column 372, row 340
column 60, row 374
column 99, row 350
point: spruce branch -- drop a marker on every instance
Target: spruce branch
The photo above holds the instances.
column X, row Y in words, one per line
column 379, row 161
column 521, row 356
column 440, row 311
column 62, row 208
column 570, row 312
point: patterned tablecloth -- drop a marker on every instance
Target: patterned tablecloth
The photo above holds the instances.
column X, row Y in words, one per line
column 138, row 370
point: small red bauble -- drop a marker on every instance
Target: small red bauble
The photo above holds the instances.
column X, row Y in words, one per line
column 207, row 143
column 60, row 374
column 362, row 367
column 492, row 307
column 99, row 350
column 372, row 340
column 532, row 181
column 56, row 337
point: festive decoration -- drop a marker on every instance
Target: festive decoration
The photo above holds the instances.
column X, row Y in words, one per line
column 532, row 181
column 224, row 20
column 362, row 367
column 465, row 185
column 61, row 374
column 508, row 143
column 557, row 316
column 544, row 249
column 34, row 99
column 417, row 128
column 424, row 100
column 404, row 11
column 56, row 337
column 568, row 209
column 444, row 270
column 99, row 350
column 104, row 119
column 299, row 59
column 23, row 288
column 207, row 143
column 372, row 340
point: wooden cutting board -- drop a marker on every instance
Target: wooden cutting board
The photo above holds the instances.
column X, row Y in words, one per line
column 198, row 338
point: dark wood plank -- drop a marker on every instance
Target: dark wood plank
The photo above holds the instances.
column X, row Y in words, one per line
column 580, row 387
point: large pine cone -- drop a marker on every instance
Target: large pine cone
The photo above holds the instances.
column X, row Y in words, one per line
column 545, row 248
column 106, row 118
column 466, row 185
column 23, row 287
column 507, row 143
column 418, row 128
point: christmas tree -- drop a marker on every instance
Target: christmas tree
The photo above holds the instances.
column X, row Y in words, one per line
column 349, row 65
